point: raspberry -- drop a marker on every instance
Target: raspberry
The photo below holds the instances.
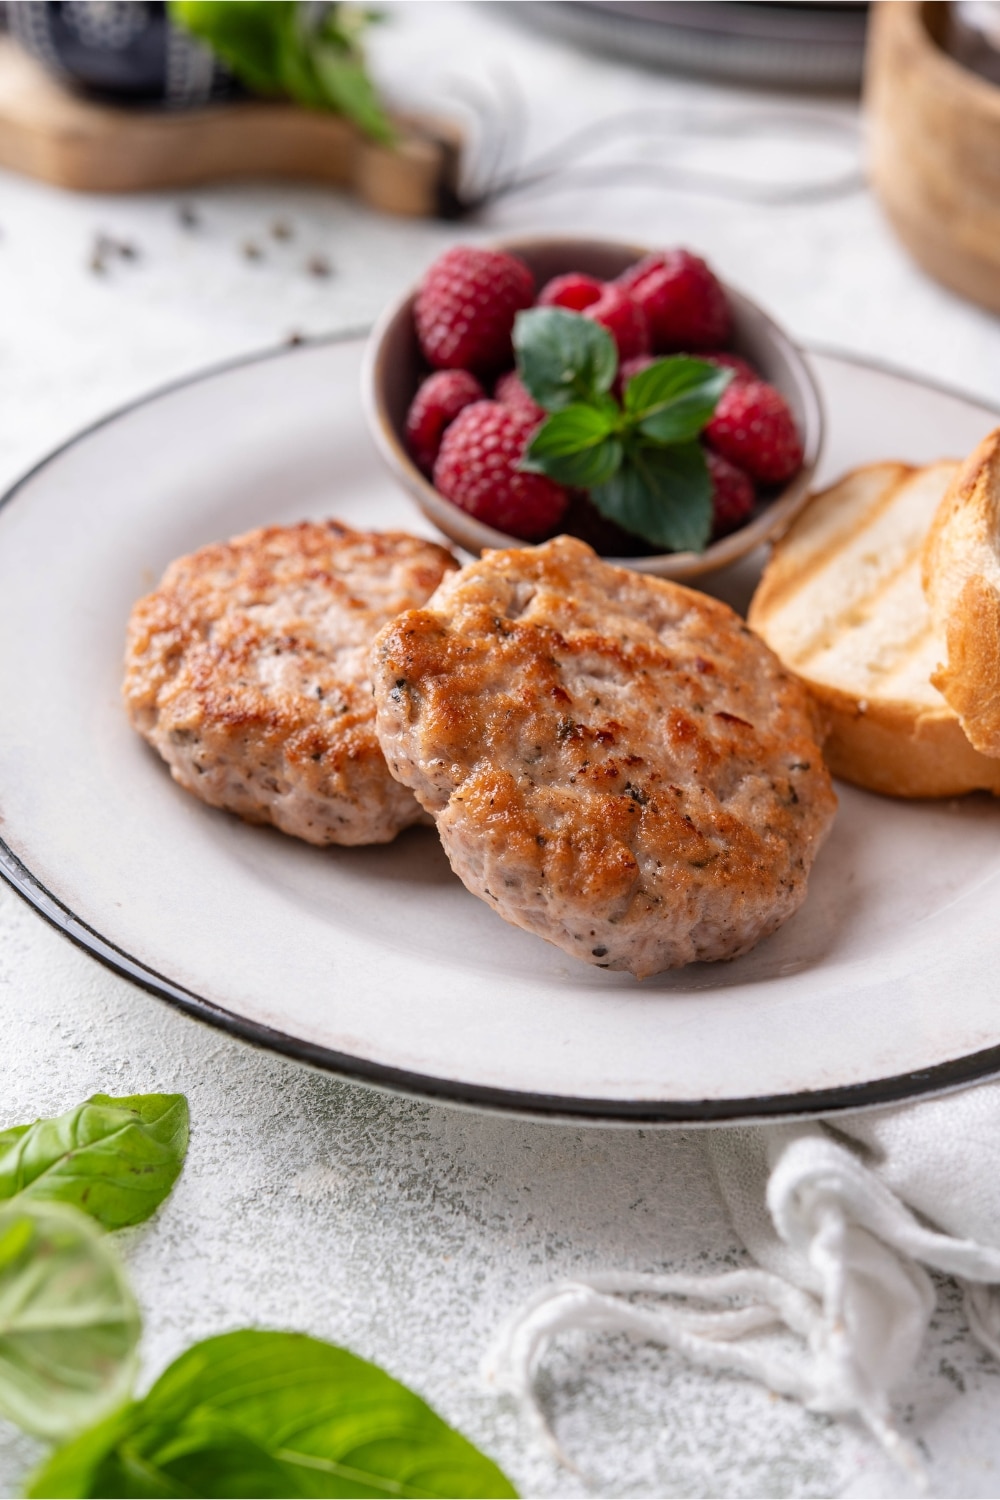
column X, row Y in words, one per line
column 438, row 401
column 574, row 292
column 623, row 318
column 510, row 391
column 683, row 302
column 466, row 305
column 732, row 494
column 754, row 429
column 743, row 369
column 477, row 470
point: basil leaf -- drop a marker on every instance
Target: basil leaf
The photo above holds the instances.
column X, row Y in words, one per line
column 575, row 447
column 247, row 36
column 70, row 1469
column 281, row 48
column 262, row 1414
column 209, row 1457
column 68, row 1322
column 563, row 357
column 351, row 92
column 673, row 399
column 116, row 1159
column 663, row 495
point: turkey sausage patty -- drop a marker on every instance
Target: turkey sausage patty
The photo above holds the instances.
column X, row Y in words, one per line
column 614, row 762
column 247, row 669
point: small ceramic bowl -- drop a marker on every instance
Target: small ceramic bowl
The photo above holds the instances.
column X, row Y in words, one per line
column 394, row 368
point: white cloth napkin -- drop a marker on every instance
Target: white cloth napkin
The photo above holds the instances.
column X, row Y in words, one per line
column 840, row 1218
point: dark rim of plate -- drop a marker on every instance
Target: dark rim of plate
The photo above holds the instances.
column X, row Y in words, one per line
column 972, row 1068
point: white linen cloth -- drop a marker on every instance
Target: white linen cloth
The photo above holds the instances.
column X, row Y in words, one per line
column 840, row 1219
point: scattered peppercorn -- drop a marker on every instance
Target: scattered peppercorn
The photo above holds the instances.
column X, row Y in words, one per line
column 106, row 248
column 318, row 265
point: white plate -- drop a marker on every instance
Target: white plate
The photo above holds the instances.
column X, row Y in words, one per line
column 376, row 962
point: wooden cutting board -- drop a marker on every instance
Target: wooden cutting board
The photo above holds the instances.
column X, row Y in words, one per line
column 62, row 138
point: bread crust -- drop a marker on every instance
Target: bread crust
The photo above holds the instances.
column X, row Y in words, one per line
column 896, row 743
column 900, row 751
column 961, row 576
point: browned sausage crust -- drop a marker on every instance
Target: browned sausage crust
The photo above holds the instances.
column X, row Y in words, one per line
column 615, row 762
column 247, row 669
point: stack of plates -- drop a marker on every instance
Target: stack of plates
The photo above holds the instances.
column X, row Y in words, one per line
column 801, row 45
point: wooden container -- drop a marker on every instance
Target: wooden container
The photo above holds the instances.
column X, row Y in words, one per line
column 59, row 137
column 935, row 148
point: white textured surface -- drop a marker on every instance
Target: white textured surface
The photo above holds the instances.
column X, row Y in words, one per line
column 408, row 1231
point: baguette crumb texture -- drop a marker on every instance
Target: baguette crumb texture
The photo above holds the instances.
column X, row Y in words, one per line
column 841, row 603
column 961, row 574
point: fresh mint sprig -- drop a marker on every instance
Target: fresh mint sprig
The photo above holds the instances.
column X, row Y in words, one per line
column 639, row 457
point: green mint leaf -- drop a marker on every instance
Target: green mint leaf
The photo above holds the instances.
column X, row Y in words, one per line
column 571, row 429
column 116, row 1159
column 273, row 1414
column 672, row 400
column 69, row 1325
column 576, row 447
column 662, row 382
column 663, row 495
column 563, row 357
column 582, row 469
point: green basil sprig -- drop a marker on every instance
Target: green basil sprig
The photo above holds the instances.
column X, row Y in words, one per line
column 249, row 1413
column 260, row 1414
column 639, row 458
column 69, row 1325
column 116, row 1159
column 284, row 48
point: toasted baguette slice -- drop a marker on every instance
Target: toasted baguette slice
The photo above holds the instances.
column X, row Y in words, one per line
column 961, row 571
column 842, row 604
